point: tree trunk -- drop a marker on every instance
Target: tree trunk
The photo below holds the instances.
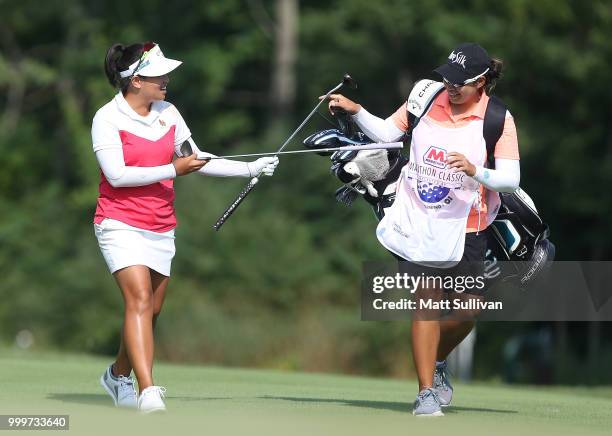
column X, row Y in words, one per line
column 285, row 55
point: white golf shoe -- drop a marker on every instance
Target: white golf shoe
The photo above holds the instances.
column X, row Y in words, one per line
column 150, row 400
column 121, row 389
column 442, row 384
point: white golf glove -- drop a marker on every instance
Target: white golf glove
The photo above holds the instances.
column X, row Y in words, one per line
column 263, row 165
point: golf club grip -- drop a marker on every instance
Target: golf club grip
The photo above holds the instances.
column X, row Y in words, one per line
column 232, row 207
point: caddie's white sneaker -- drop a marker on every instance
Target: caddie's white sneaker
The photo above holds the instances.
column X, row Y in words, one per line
column 121, row 389
column 150, row 400
column 427, row 403
column 442, row 384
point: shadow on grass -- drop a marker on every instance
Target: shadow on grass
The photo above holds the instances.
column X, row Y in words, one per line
column 104, row 400
column 91, row 399
column 384, row 405
column 455, row 409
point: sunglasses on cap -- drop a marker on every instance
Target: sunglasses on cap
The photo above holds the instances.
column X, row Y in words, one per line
column 461, row 85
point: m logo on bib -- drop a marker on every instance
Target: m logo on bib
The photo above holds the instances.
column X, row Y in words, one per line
column 435, row 156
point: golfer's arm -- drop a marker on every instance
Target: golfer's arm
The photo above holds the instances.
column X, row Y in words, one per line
column 121, row 176
column 504, row 178
column 376, row 128
column 221, row 167
column 225, row 168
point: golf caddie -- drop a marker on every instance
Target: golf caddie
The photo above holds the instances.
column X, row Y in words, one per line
column 446, row 197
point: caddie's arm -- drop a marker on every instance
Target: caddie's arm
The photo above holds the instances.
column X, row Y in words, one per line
column 375, row 128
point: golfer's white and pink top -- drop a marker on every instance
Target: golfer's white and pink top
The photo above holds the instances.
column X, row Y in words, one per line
column 146, row 141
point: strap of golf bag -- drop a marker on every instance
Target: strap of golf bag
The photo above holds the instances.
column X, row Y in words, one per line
column 531, row 256
column 494, row 120
column 423, row 94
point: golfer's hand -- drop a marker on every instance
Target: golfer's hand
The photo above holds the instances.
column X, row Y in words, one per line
column 188, row 164
column 459, row 162
column 263, row 165
column 338, row 101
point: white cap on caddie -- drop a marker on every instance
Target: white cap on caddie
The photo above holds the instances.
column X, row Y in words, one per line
column 152, row 63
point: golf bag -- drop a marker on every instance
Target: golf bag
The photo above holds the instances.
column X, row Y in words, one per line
column 519, row 237
column 386, row 165
column 518, row 248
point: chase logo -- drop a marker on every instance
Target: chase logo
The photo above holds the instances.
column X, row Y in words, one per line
column 435, row 156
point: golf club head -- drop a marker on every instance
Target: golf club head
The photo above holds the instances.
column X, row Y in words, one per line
column 330, row 138
column 186, row 149
column 347, row 80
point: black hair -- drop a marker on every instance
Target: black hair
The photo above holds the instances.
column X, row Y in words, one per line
column 119, row 58
column 493, row 75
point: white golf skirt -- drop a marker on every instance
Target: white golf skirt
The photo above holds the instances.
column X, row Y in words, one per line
column 123, row 245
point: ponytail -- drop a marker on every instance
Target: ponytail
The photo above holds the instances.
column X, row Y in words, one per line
column 119, row 58
column 110, row 63
column 493, row 75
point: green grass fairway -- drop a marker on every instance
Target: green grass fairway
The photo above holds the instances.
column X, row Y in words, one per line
column 218, row 401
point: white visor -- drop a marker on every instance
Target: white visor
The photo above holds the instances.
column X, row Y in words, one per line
column 153, row 63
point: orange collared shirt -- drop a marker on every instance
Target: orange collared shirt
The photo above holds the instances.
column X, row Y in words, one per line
column 441, row 113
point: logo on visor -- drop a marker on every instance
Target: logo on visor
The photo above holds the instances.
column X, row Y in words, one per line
column 142, row 65
column 435, row 157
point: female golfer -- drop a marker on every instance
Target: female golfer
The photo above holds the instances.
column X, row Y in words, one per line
column 445, row 198
column 135, row 137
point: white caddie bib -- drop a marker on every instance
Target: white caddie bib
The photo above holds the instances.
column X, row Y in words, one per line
column 426, row 223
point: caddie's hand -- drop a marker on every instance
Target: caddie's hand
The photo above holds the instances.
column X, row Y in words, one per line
column 338, row 101
column 263, row 165
column 188, row 164
column 459, row 162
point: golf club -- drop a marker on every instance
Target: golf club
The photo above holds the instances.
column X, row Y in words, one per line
column 373, row 146
column 347, row 80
